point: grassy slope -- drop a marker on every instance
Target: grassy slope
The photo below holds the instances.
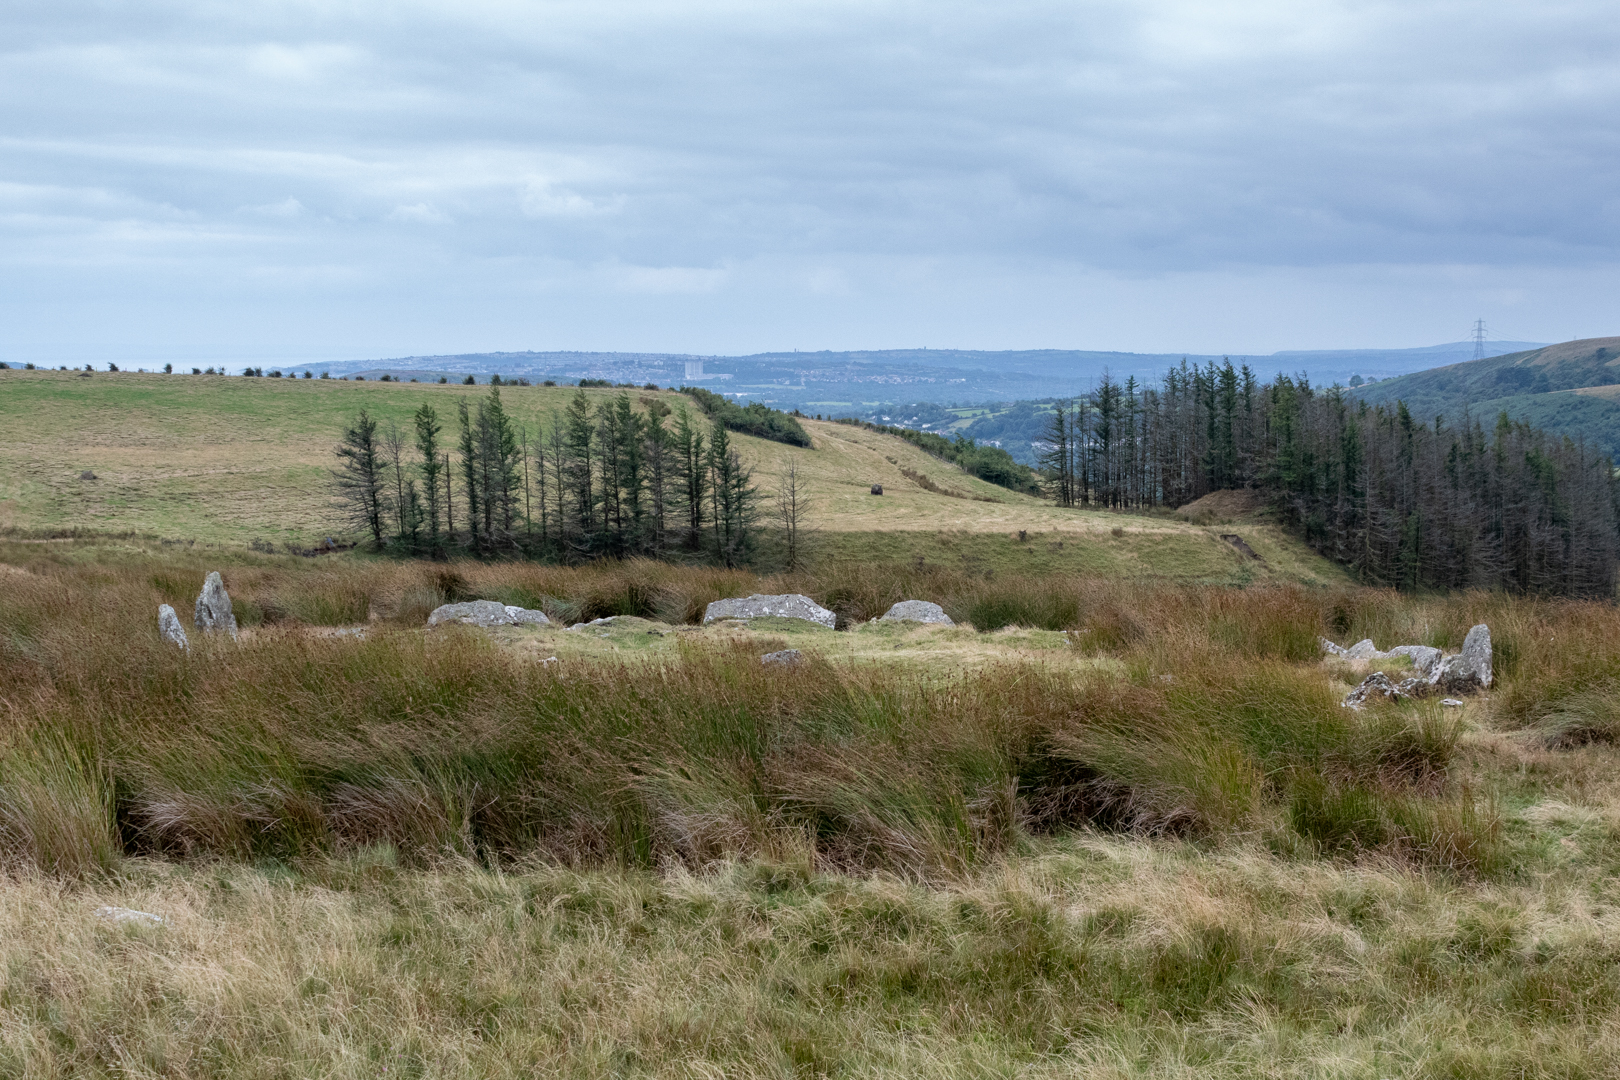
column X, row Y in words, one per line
column 228, row 460
column 1564, row 388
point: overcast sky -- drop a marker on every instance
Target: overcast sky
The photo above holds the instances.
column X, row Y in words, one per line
column 384, row 178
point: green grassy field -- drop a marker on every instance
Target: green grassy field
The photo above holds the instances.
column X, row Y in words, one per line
column 219, row 460
column 1104, row 828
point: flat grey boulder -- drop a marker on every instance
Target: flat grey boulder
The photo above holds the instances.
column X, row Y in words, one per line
column 917, row 611
column 486, row 613
column 213, row 614
column 785, row 658
column 169, row 626
column 759, row 606
column 1471, row 668
column 1425, row 658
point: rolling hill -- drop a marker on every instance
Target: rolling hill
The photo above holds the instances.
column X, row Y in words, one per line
column 1572, row 388
column 211, row 459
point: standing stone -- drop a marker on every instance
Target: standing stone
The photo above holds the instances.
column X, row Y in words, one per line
column 786, row 606
column 1471, row 668
column 213, row 612
column 169, row 626
column 917, row 611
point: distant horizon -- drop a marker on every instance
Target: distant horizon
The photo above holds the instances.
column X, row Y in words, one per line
column 66, row 353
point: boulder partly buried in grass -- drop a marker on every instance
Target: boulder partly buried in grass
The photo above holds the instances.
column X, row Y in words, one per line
column 918, row 611
column 760, row 606
column 486, row 613
column 785, row 658
column 213, row 614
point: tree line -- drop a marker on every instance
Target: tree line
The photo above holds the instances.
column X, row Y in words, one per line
column 1401, row 501
column 612, row 480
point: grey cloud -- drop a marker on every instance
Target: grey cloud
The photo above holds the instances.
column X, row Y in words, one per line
column 664, row 149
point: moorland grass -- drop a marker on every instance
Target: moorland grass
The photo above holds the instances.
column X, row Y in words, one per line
column 1163, row 850
column 1214, row 722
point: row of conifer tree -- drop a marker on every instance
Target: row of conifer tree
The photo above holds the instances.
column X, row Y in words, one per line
column 1419, row 504
column 605, row 481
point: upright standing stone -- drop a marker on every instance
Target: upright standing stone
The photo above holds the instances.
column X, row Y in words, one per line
column 1471, row 668
column 169, row 626
column 213, row 612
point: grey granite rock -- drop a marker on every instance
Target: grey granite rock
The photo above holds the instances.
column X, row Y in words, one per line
column 1471, row 668
column 918, row 611
column 757, row 606
column 1364, row 650
column 1415, row 687
column 1425, row 659
column 787, row 657
column 608, row 621
column 169, row 626
column 486, row 613
column 213, row 614
column 1374, row 688
column 1332, row 649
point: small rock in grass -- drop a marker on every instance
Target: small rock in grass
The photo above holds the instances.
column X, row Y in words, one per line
column 213, row 614
column 877, row 489
column 918, row 611
column 124, row 915
column 787, row 657
column 549, row 660
column 607, row 621
column 1451, row 702
column 1375, row 687
column 169, row 626
column 87, row 475
column 757, row 606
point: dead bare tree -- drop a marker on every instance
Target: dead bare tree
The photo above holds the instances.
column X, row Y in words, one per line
column 792, row 508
